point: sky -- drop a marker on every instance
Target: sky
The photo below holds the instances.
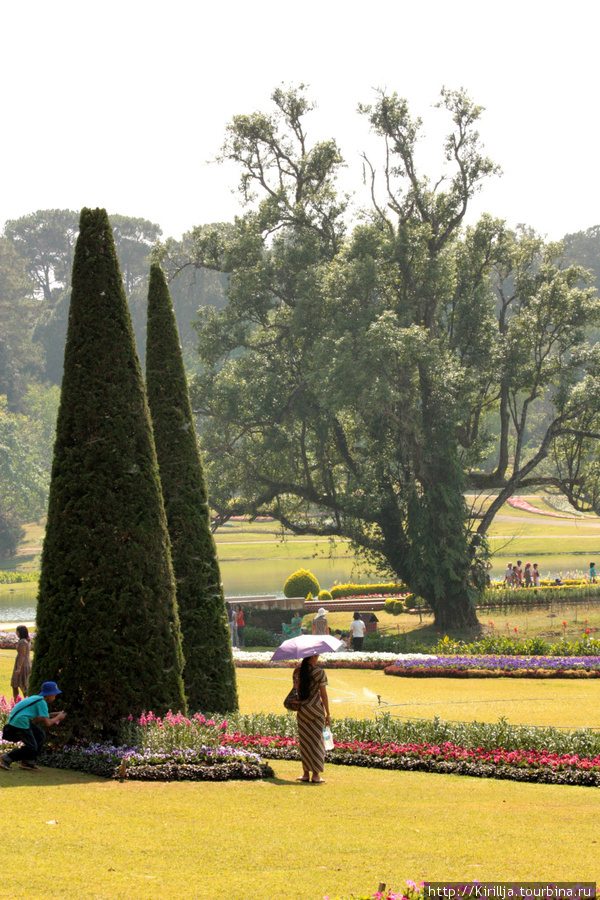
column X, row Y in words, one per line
column 124, row 104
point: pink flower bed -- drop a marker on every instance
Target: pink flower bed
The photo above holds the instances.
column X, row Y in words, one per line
column 519, row 503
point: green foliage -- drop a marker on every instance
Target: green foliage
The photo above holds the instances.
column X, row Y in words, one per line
column 107, row 623
column 259, row 637
column 18, row 577
column 300, row 584
column 367, row 590
column 209, row 674
column 503, row 645
column 23, row 485
column 395, row 607
column 410, row 601
column 324, row 597
column 20, row 359
column 385, row 728
column 542, row 596
column 330, row 392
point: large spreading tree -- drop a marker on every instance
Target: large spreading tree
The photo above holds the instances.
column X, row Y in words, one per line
column 358, row 383
column 108, row 628
column 209, row 674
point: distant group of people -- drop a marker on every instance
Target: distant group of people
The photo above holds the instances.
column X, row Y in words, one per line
column 235, row 619
column 516, row 576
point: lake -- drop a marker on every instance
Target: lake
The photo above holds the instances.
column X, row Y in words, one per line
column 256, row 576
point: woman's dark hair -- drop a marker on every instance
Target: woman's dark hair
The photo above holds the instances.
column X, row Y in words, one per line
column 304, row 680
column 22, row 632
column 357, row 615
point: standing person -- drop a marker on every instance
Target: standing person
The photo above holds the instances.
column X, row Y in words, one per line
column 535, row 575
column 22, row 667
column 240, row 624
column 519, row 571
column 508, row 575
column 231, row 623
column 357, row 631
column 527, row 575
column 310, row 681
column 319, row 625
column 593, row 573
column 23, row 726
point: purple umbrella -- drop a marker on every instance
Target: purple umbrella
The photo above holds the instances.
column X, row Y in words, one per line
column 307, row 645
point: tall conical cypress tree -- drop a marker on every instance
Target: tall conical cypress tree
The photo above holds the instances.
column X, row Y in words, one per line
column 107, row 624
column 209, row 673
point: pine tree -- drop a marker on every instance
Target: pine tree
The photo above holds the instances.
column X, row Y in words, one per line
column 209, row 673
column 108, row 627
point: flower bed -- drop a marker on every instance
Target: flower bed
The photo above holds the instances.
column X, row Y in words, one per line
column 248, row 660
column 412, row 892
column 520, row 503
column 173, row 748
column 10, row 639
column 205, row 764
column 447, row 758
column 178, row 748
column 497, row 667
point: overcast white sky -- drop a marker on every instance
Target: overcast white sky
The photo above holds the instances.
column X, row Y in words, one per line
column 121, row 104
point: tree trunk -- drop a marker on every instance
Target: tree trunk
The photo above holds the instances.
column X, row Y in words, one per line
column 454, row 613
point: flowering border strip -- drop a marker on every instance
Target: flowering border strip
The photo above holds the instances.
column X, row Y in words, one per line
column 359, row 660
column 497, row 667
column 447, row 759
column 182, row 766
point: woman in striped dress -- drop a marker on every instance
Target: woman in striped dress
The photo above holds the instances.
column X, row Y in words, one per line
column 311, row 680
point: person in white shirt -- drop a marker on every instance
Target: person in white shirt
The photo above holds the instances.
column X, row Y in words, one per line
column 357, row 631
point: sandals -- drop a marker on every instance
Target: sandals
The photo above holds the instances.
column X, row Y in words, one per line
column 302, row 778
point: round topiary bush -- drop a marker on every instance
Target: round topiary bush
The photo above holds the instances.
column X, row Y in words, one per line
column 398, row 607
column 324, row 597
column 410, row 601
column 300, row 584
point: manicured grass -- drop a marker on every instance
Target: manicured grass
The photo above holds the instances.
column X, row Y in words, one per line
column 354, row 693
column 76, row 836
column 281, row 840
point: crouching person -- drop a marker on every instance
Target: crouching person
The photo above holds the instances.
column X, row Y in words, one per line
column 24, row 723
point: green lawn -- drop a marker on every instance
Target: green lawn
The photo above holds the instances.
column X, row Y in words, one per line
column 77, row 836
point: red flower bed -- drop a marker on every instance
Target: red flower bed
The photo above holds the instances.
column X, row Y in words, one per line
column 519, row 765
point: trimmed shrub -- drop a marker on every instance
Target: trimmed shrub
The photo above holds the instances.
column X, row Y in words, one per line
column 410, row 601
column 107, row 624
column 393, row 606
column 301, row 583
column 259, row 637
column 209, row 673
column 325, row 597
column 366, row 590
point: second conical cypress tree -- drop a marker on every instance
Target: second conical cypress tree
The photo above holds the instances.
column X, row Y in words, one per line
column 107, row 624
column 209, row 673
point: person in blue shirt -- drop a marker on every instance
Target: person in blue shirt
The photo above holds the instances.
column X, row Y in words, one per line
column 23, row 726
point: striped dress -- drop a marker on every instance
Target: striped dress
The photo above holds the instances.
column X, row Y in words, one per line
column 311, row 722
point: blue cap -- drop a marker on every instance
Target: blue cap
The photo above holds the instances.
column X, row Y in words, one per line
column 49, row 688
